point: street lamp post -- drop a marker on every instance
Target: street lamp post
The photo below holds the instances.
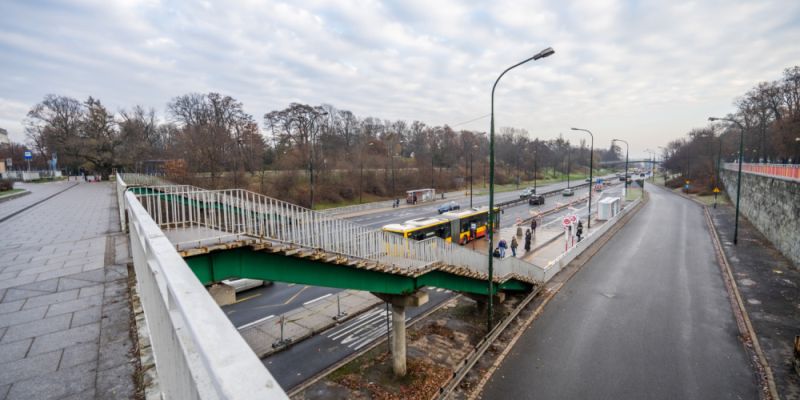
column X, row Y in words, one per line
column 627, row 149
column 542, row 54
column 361, row 177
column 535, row 161
column 311, row 156
column 591, row 177
column 739, row 175
column 471, row 157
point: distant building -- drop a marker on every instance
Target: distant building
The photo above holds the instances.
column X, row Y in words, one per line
column 4, row 137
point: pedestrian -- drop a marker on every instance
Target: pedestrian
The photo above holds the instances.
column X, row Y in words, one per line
column 527, row 240
column 514, row 245
column 415, row 198
column 579, row 230
column 533, row 226
column 502, row 246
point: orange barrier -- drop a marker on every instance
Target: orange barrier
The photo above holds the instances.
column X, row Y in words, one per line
column 790, row 171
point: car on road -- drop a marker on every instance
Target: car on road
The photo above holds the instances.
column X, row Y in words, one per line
column 641, row 175
column 587, row 180
column 567, row 192
column 536, row 200
column 448, row 207
column 527, row 193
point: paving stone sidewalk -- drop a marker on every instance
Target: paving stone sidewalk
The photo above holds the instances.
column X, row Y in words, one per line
column 64, row 312
column 770, row 289
column 38, row 191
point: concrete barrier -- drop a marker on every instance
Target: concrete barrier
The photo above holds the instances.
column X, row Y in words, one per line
column 198, row 353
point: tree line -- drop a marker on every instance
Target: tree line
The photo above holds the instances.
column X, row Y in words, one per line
column 302, row 153
column 770, row 116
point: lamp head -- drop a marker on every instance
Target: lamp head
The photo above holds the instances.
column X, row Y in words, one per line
column 712, row 119
column 544, row 53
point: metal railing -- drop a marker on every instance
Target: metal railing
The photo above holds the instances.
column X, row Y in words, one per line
column 198, row 353
column 781, row 171
column 241, row 212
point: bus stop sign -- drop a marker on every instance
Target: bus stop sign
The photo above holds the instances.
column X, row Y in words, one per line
column 28, row 155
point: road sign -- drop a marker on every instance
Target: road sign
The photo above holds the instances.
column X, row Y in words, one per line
column 573, row 218
column 28, row 155
column 566, row 222
column 716, row 190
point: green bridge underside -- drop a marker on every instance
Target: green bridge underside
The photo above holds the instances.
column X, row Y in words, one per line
column 248, row 263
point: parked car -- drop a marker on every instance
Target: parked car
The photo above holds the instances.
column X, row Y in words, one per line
column 536, row 200
column 641, row 175
column 587, row 180
column 527, row 193
column 448, row 207
column 567, row 192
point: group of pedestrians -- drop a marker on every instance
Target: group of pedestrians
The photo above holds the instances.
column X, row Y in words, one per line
column 502, row 245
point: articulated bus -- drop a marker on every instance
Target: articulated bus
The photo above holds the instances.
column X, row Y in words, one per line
column 450, row 226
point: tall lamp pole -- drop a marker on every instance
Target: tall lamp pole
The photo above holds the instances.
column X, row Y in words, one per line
column 535, row 161
column 542, row 54
column 627, row 149
column 591, row 177
column 739, row 175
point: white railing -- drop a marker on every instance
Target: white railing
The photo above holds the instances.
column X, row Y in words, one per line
column 198, row 353
column 241, row 212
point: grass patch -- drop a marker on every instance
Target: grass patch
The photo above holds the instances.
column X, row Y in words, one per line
column 10, row 192
column 44, row 180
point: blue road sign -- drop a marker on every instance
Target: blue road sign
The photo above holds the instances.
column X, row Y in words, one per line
column 28, row 155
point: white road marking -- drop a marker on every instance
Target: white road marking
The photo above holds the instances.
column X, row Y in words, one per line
column 254, row 322
column 317, row 299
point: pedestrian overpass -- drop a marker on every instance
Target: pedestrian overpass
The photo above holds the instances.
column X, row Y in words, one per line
column 184, row 237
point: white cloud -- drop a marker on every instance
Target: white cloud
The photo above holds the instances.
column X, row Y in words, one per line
column 644, row 71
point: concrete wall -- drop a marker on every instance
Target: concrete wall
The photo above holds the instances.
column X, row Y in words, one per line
column 773, row 206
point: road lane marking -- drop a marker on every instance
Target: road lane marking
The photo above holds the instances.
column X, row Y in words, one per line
column 295, row 295
column 246, row 298
column 317, row 299
column 255, row 322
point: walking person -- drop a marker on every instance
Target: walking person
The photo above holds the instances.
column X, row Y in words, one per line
column 514, row 245
column 527, row 240
column 579, row 230
column 502, row 246
column 533, row 226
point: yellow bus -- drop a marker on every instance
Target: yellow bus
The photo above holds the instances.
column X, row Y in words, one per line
column 448, row 226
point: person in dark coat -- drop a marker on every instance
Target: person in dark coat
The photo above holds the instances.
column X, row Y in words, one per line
column 533, row 226
column 527, row 240
column 579, row 230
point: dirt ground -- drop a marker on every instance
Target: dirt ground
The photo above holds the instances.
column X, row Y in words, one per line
column 437, row 345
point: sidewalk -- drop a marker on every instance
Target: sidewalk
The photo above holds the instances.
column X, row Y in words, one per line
column 64, row 313
column 305, row 321
column 38, row 192
column 770, row 289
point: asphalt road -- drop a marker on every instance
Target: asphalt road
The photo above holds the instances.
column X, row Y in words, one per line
column 313, row 355
column 646, row 317
column 274, row 299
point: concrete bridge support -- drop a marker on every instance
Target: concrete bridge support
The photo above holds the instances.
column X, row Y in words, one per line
column 399, row 304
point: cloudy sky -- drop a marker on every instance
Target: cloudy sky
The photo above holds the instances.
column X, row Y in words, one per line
column 642, row 71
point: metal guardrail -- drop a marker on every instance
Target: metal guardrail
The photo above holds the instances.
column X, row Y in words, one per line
column 198, row 352
column 551, row 193
column 781, row 171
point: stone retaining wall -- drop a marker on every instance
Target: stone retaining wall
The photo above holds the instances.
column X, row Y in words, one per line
column 773, row 206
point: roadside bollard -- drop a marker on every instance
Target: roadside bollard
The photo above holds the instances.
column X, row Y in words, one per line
column 283, row 341
column 339, row 313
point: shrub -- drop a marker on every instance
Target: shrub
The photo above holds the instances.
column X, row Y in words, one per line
column 6, row 184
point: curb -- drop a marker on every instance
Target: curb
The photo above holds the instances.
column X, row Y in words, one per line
column 14, row 196
column 15, row 213
column 749, row 337
column 550, row 293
